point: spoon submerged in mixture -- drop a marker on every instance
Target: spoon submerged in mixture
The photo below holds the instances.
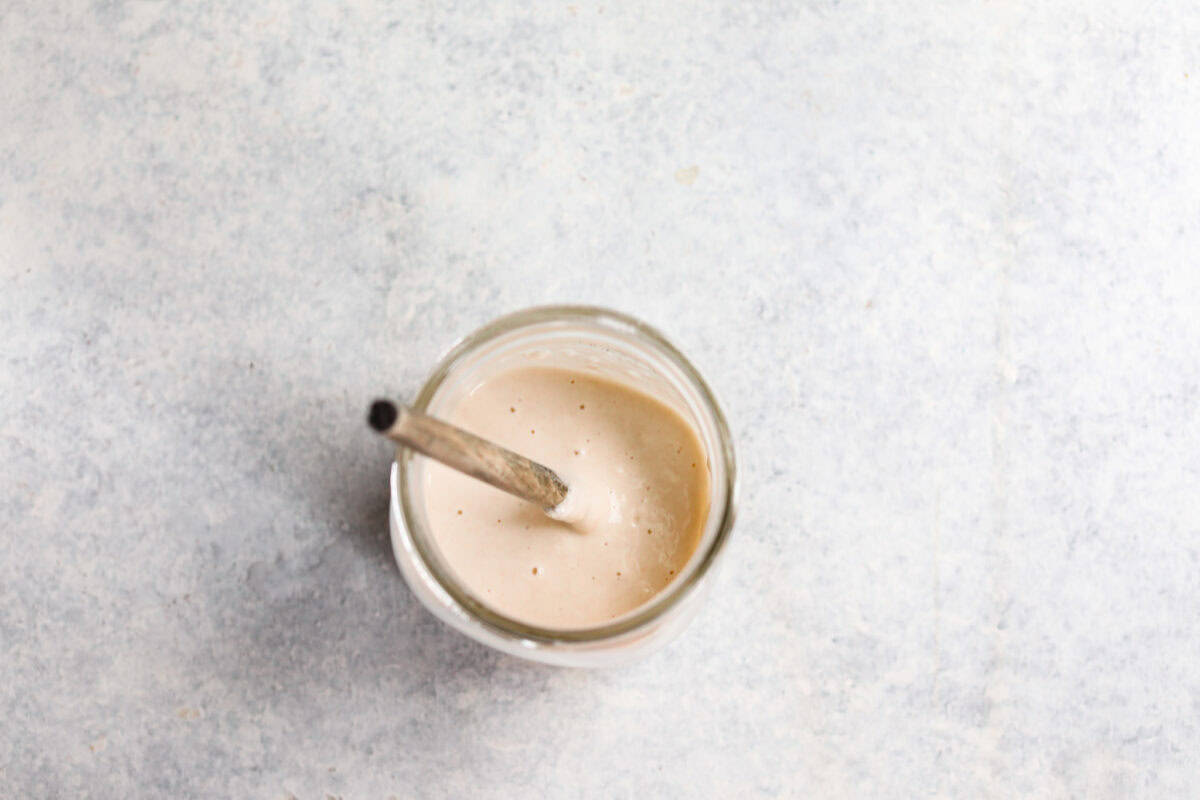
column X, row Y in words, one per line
column 471, row 455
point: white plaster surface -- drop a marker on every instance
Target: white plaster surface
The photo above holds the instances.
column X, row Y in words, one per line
column 941, row 261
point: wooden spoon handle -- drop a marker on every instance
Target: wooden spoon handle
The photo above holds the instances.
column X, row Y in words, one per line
column 467, row 453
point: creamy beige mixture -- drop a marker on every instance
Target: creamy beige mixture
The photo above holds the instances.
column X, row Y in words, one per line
column 639, row 498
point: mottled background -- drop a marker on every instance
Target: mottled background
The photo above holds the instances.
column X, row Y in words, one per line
column 942, row 263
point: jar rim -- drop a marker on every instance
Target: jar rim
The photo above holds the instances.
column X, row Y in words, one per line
column 509, row 627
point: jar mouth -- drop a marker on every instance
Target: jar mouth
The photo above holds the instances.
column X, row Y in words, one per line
column 722, row 507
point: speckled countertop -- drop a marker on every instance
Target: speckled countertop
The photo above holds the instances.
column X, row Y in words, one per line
column 942, row 264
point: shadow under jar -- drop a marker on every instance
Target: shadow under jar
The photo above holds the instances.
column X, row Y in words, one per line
column 593, row 342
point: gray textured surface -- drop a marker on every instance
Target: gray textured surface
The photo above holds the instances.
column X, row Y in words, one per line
column 941, row 263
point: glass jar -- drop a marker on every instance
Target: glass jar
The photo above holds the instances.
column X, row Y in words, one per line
column 603, row 343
